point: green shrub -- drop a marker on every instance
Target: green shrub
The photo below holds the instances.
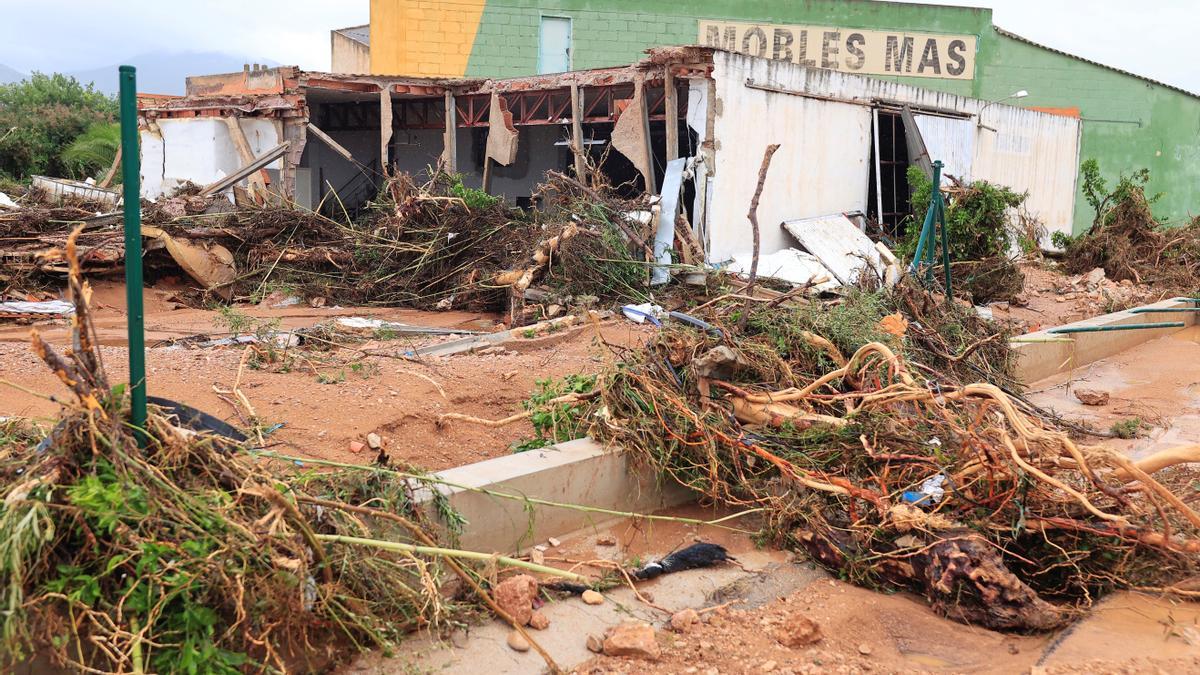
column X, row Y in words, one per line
column 976, row 219
column 41, row 116
column 93, row 152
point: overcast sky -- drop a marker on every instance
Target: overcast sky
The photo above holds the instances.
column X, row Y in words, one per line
column 1155, row 38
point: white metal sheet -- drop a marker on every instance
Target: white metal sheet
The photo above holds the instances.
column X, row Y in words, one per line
column 838, row 244
column 950, row 140
column 822, row 166
column 791, row 265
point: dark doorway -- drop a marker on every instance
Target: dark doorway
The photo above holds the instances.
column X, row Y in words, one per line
column 891, row 191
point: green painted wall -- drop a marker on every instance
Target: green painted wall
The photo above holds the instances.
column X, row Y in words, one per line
column 1128, row 123
column 1147, row 125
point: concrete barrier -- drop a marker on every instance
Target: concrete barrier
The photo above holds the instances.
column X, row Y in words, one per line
column 580, row 472
column 1039, row 360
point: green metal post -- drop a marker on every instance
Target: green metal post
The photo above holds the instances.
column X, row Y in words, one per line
column 1119, row 326
column 941, row 219
column 130, row 176
column 922, row 241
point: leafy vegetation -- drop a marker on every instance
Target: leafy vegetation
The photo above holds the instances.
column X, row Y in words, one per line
column 556, row 422
column 93, row 152
column 41, row 117
column 976, row 219
column 474, row 198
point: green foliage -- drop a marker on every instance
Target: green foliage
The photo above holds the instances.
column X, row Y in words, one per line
column 1128, row 188
column 1130, row 428
column 93, row 152
column 848, row 325
column 976, row 219
column 556, row 422
column 475, row 199
column 1061, row 240
column 41, row 116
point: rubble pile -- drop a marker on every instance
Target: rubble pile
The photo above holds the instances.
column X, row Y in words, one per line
column 1129, row 244
column 435, row 245
column 181, row 549
column 887, row 445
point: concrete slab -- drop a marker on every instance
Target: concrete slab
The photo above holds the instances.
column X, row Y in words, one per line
column 1039, row 360
column 580, row 472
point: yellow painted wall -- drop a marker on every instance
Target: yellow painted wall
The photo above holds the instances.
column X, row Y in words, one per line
column 422, row 37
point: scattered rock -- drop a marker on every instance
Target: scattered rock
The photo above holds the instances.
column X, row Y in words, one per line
column 538, row 621
column 374, row 442
column 591, row 597
column 595, row 644
column 606, row 540
column 517, row 642
column 1095, row 276
column 797, row 630
column 356, row 447
column 554, row 543
column 1092, row 396
column 633, row 639
column 553, row 311
column 684, row 620
column 864, row 648
column 768, row 666
column 537, row 557
column 515, row 596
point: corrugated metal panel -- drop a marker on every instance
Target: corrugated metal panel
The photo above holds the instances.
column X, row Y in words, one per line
column 1032, row 152
column 950, row 140
column 826, row 169
column 822, row 165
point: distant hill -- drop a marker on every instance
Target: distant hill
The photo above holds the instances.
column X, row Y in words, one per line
column 10, row 74
column 165, row 72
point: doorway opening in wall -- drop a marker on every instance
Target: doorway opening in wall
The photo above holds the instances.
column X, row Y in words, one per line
column 889, row 193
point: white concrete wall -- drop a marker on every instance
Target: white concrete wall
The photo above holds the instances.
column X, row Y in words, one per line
column 198, row 149
column 822, row 166
column 348, row 56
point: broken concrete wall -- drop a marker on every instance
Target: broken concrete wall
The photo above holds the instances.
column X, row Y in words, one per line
column 200, row 150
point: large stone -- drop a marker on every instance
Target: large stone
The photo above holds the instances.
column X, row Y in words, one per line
column 515, row 596
column 797, row 630
column 633, row 639
column 517, row 642
column 1092, row 396
column 1095, row 276
column 685, row 620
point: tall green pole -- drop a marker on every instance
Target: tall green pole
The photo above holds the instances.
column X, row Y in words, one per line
column 131, row 179
column 940, row 202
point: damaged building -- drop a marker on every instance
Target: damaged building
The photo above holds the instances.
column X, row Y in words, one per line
column 690, row 123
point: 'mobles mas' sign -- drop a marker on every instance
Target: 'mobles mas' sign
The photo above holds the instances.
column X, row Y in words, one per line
column 867, row 52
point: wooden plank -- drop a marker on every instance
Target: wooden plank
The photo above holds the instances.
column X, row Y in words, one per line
column 385, row 126
column 450, row 145
column 258, row 163
column 333, row 145
column 577, row 145
column 671, row 100
column 258, row 185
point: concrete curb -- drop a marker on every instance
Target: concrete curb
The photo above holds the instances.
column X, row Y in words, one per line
column 1039, row 360
column 580, row 472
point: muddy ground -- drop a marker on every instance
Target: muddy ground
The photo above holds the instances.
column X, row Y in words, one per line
column 327, row 400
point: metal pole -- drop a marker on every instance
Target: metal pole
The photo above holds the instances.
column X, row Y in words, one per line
column 131, row 179
column 1150, row 310
column 941, row 217
column 1121, row 326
